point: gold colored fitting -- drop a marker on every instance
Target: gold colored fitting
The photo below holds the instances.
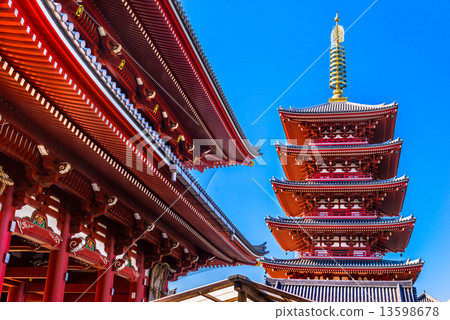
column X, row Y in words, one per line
column 338, row 77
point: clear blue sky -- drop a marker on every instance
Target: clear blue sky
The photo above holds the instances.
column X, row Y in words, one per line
column 398, row 51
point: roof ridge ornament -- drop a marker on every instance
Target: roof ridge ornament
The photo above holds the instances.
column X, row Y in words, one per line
column 338, row 78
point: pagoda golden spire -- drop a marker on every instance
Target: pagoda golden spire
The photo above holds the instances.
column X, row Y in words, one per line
column 338, row 78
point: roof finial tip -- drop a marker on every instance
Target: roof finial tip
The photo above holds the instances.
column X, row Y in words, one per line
column 338, row 78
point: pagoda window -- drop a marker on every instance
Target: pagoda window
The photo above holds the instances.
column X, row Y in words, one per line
column 39, row 219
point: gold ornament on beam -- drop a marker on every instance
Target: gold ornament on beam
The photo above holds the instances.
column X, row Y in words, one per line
column 338, row 77
column 4, row 180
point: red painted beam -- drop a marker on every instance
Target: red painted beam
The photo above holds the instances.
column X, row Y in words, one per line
column 7, row 216
column 26, row 273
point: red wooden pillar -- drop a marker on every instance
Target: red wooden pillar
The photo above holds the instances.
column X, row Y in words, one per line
column 138, row 287
column 57, row 267
column 132, row 292
column 6, row 218
column 17, row 294
column 103, row 292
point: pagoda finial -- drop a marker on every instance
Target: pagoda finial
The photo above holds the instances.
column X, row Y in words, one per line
column 338, row 78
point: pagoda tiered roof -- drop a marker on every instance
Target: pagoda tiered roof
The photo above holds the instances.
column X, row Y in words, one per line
column 345, row 263
column 343, row 107
column 388, row 152
column 297, row 223
column 300, row 268
column 297, row 122
column 341, row 163
column 340, row 147
column 388, row 194
column 348, row 290
column 289, row 232
column 337, row 184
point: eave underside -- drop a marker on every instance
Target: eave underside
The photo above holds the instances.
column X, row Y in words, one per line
column 27, row 108
column 391, row 237
column 174, row 66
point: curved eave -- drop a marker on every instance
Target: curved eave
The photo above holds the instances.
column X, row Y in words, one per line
column 405, row 270
column 173, row 60
column 296, row 264
column 400, row 230
column 364, row 149
column 313, row 112
column 289, row 154
column 342, row 224
column 84, row 88
column 203, row 61
column 339, row 186
column 288, row 192
column 292, row 120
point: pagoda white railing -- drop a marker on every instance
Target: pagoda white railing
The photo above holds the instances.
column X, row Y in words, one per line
column 336, row 141
column 341, row 213
column 330, row 176
column 324, row 254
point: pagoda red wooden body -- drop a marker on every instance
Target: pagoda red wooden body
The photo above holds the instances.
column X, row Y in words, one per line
column 101, row 103
column 342, row 198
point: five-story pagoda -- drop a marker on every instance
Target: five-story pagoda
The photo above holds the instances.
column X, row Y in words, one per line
column 341, row 196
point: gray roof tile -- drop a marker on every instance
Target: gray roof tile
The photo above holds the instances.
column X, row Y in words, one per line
column 337, row 183
column 339, row 107
column 301, row 221
column 340, row 146
column 348, row 290
column 300, row 262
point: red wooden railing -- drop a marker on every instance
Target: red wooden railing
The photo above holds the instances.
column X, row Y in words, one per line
column 348, row 254
column 341, row 213
column 324, row 176
column 332, row 141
